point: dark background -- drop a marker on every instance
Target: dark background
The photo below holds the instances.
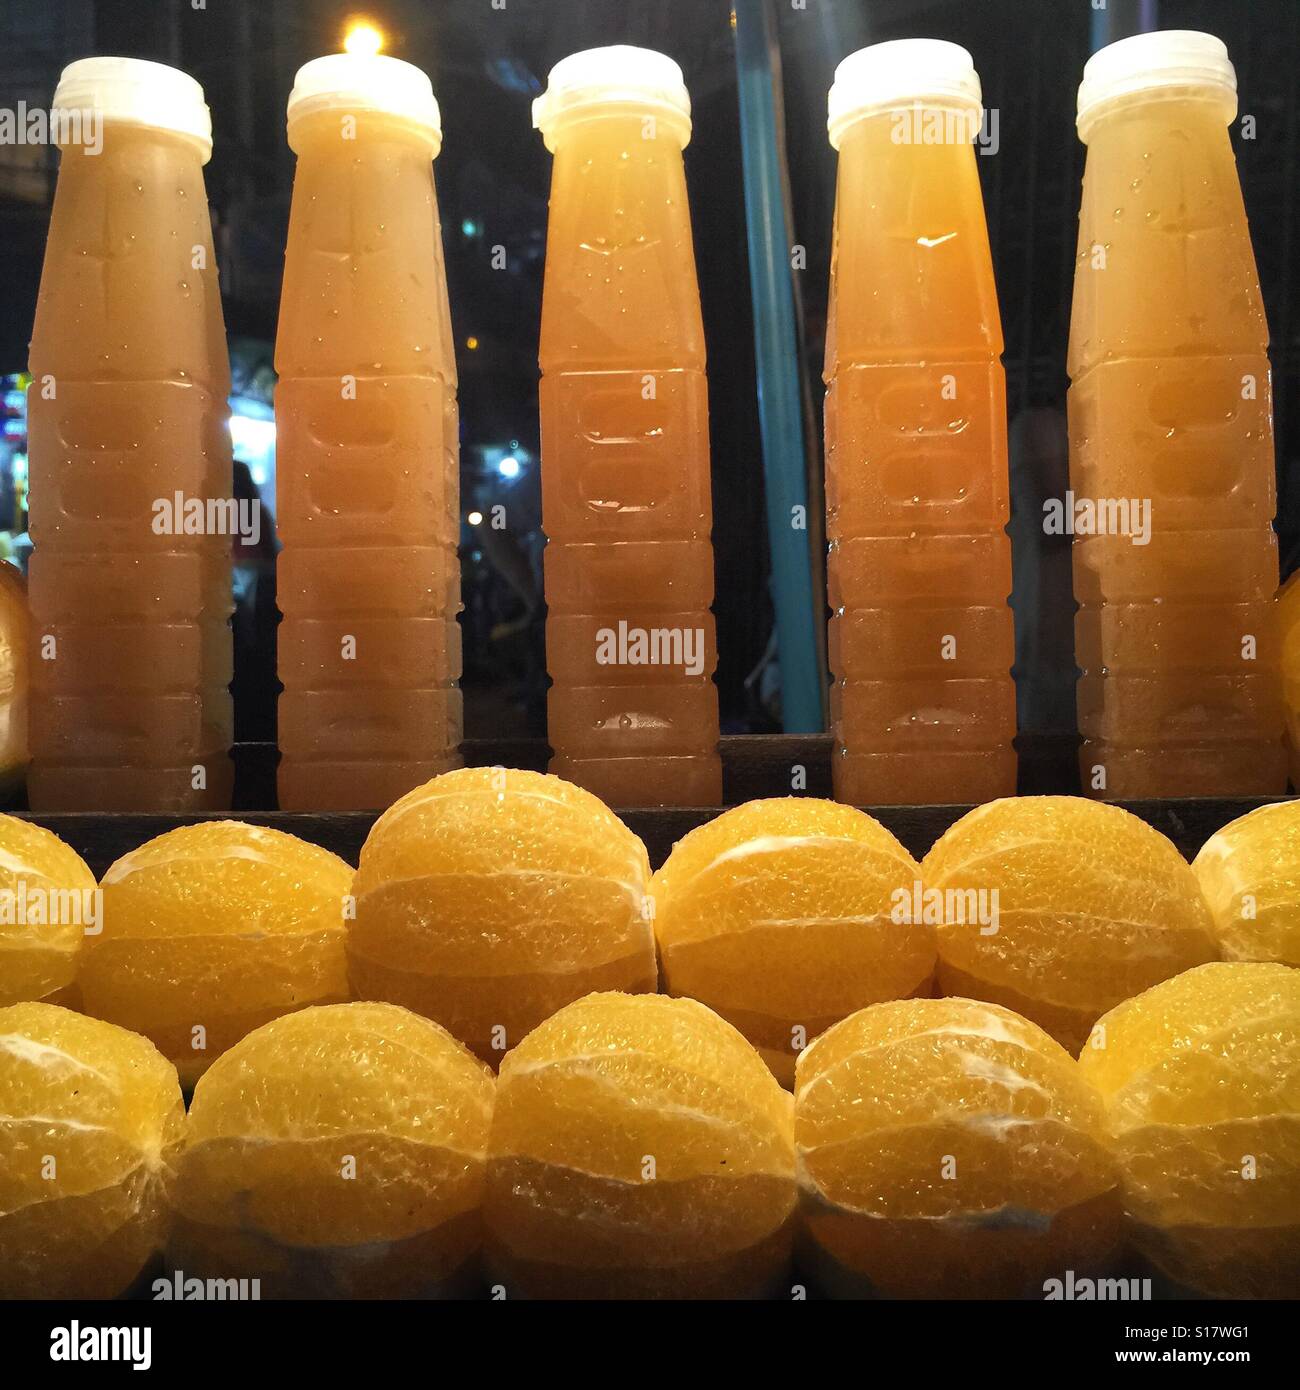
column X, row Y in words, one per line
column 492, row 176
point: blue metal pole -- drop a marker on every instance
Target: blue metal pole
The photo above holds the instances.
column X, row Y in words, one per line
column 798, row 609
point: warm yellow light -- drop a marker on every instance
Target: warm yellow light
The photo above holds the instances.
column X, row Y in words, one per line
column 475, row 518
column 472, row 344
column 363, row 38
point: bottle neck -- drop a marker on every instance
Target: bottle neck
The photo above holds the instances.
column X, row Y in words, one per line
column 94, row 134
column 638, row 121
column 1212, row 100
column 921, row 122
column 331, row 130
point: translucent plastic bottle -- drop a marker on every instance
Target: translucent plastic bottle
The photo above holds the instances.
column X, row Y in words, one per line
column 15, row 644
column 626, row 505
column 921, row 641
column 368, row 445
column 1288, row 627
column 1170, row 408
column 130, row 590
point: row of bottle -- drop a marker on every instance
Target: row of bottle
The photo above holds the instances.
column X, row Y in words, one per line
column 1169, row 407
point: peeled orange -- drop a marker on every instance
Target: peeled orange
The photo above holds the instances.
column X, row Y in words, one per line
column 212, row 929
column 92, row 1122
column 949, row 1148
column 336, row 1152
column 1201, row 1080
column 782, row 916
column 489, row 898
column 1085, row 904
column 1249, row 873
column 640, row 1148
column 48, row 901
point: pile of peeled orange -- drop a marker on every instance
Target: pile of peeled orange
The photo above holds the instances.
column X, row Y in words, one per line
column 504, row 1056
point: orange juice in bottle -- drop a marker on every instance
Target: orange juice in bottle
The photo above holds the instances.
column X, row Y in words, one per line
column 1171, row 438
column 921, row 640
column 15, row 642
column 368, row 445
column 626, row 503
column 130, row 583
column 1288, row 636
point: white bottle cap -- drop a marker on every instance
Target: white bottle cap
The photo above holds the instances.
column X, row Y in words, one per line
column 902, row 73
column 354, row 82
column 619, row 75
column 1147, row 62
column 136, row 92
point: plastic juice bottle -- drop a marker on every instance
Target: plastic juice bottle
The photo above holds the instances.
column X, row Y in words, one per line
column 1170, row 412
column 368, row 445
column 626, row 505
column 15, row 643
column 921, row 640
column 1288, row 627
column 130, row 583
